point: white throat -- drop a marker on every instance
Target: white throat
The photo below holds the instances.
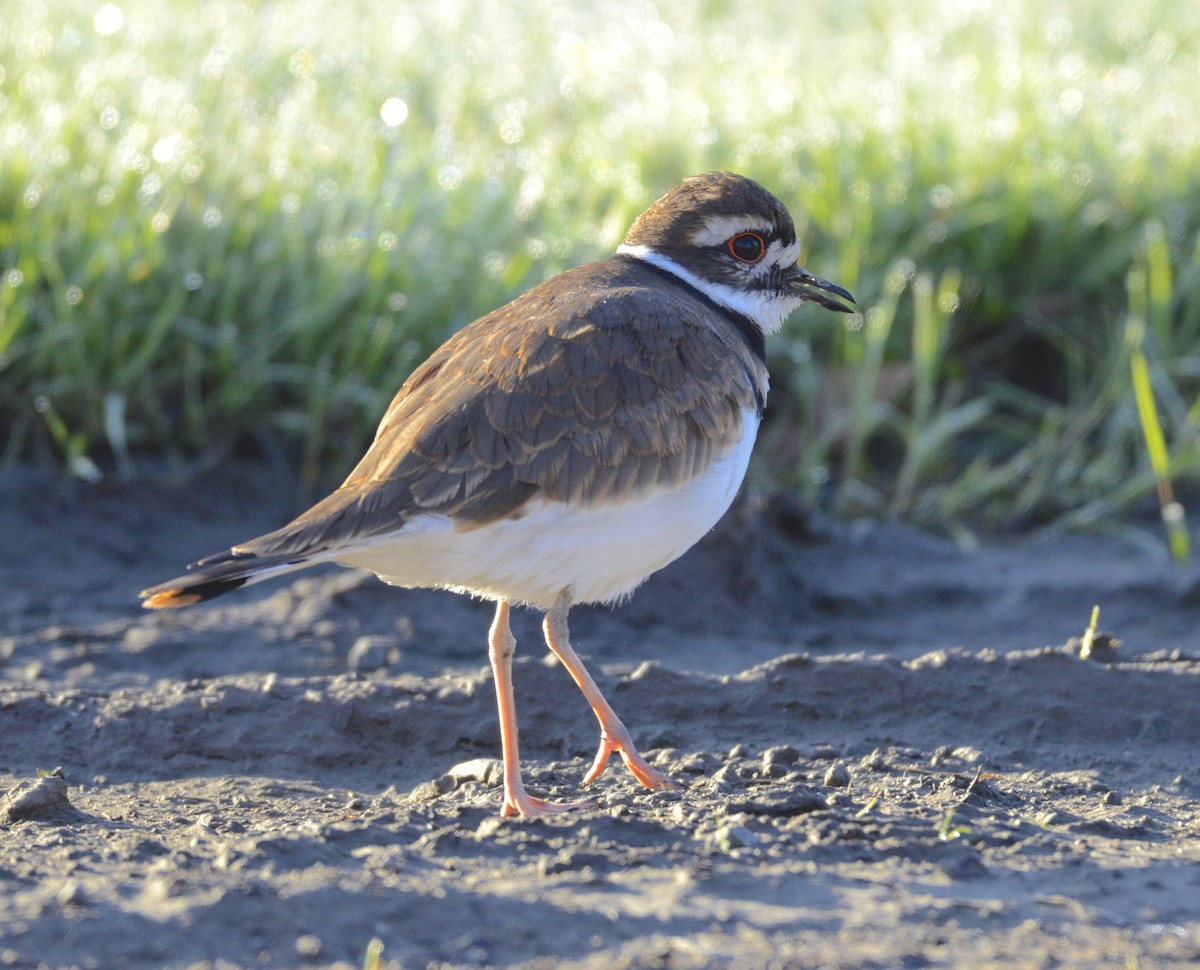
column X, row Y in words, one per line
column 767, row 313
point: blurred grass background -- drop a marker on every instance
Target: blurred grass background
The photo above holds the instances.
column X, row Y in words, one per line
column 234, row 228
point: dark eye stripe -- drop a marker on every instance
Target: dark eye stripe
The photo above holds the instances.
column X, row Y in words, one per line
column 747, row 247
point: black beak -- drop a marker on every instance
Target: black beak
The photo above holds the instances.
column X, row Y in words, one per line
column 814, row 288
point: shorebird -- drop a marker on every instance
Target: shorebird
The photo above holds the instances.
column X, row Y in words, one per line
column 564, row 447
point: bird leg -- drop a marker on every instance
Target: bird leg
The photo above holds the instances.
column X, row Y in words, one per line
column 614, row 738
column 517, row 801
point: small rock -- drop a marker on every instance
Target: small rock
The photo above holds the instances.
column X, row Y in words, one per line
column 487, row 771
column 647, row 668
column 308, row 946
column 729, row 837
column 1102, row 648
column 837, row 776
column 875, row 761
column 779, row 802
column 71, row 894
column 738, row 836
column 45, row 798
column 429, row 790
column 374, row 652
column 783, row 754
column 735, row 773
column 963, row 866
column 690, row 764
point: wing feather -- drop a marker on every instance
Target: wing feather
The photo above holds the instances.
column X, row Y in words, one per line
column 531, row 401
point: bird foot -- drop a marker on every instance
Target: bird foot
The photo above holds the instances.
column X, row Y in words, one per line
column 620, row 743
column 519, row 802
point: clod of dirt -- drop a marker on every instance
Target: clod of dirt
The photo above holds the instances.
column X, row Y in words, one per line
column 373, row 652
column 838, row 776
column 44, row 800
column 1102, row 649
column 486, row 771
column 781, row 802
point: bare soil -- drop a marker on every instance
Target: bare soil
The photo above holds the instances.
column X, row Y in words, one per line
column 889, row 754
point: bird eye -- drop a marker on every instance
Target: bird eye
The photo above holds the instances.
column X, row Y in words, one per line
column 748, row 247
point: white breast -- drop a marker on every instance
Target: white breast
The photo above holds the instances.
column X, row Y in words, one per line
column 601, row 553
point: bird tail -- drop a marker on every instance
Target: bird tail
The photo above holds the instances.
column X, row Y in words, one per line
column 215, row 576
column 329, row 528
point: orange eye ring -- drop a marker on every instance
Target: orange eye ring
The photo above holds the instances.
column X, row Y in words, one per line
column 747, row 247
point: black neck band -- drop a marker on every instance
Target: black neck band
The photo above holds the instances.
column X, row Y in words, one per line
column 751, row 333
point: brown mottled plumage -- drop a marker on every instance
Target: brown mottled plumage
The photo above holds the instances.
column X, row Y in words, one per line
column 567, row 445
column 549, row 396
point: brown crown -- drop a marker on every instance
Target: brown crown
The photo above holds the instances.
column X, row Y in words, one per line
column 674, row 219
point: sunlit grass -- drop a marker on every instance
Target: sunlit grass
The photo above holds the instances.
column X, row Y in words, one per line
column 229, row 226
column 1150, row 292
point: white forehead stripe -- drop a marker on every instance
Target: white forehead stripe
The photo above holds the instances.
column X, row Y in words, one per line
column 782, row 255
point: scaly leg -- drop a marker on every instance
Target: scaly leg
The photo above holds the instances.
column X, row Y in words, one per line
column 517, row 801
column 613, row 735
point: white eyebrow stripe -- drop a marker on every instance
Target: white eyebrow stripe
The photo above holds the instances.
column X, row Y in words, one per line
column 719, row 228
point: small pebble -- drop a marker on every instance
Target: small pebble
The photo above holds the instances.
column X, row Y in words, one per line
column 429, row 790
column 729, row 837
column 741, row 837
column 838, row 776
column 783, row 754
column 487, row 771
column 373, row 652
column 308, row 945
column 71, row 894
column 875, row 761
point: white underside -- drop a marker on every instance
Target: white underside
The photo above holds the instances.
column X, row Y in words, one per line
column 601, row 554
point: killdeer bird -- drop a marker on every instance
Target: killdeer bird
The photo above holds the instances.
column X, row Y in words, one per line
column 562, row 448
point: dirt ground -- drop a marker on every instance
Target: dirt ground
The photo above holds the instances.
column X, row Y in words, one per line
column 889, row 754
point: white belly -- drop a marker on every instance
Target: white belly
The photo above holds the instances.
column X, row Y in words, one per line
column 600, row 553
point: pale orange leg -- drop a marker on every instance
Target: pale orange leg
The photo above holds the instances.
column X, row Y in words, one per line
column 517, row 801
column 614, row 738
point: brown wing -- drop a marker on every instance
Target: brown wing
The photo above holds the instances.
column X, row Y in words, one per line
column 575, row 401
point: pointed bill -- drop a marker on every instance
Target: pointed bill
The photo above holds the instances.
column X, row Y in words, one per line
column 814, row 289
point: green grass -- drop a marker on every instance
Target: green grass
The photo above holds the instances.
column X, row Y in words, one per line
column 211, row 240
